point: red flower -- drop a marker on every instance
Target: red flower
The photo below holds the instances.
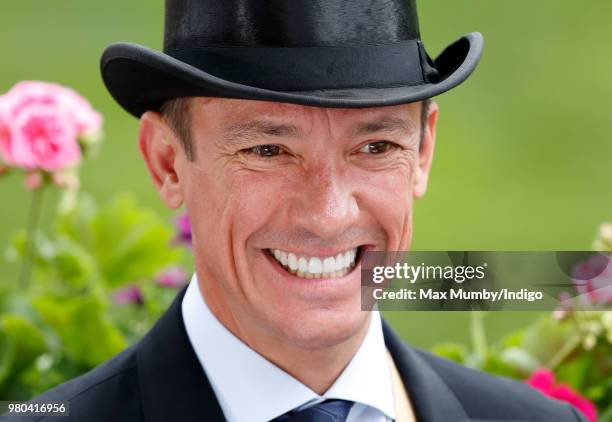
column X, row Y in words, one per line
column 544, row 380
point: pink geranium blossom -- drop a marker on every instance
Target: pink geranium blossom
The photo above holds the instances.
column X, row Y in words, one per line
column 174, row 276
column 593, row 280
column 27, row 93
column 183, row 228
column 544, row 381
column 41, row 137
column 128, row 295
column 40, row 124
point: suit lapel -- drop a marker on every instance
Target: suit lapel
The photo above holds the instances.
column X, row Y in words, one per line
column 432, row 399
column 173, row 384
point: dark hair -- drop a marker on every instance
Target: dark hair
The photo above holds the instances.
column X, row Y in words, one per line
column 177, row 112
column 425, row 104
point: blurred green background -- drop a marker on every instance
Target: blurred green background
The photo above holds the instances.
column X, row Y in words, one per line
column 524, row 152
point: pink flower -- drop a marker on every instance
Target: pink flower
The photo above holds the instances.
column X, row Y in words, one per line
column 183, row 228
column 25, row 93
column 544, row 380
column 172, row 277
column 41, row 138
column 33, row 180
column 127, row 295
column 565, row 306
column 40, row 124
column 593, row 280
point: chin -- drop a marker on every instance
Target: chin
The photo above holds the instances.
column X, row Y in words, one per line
column 319, row 329
column 309, row 311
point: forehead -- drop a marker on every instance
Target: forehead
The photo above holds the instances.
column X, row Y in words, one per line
column 224, row 111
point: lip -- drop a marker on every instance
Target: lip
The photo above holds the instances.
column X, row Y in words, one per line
column 350, row 278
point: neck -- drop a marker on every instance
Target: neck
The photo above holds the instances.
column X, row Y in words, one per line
column 328, row 362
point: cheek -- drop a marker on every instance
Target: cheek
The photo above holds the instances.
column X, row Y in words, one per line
column 386, row 196
column 254, row 198
column 205, row 200
column 226, row 205
column 252, row 202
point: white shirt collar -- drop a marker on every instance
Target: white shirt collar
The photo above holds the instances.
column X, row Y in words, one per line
column 251, row 388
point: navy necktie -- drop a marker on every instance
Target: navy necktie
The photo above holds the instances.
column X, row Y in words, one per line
column 327, row 411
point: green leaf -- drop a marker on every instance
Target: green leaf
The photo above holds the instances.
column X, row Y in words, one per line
column 130, row 243
column 86, row 334
column 514, row 339
column 520, row 360
column 20, row 344
column 494, row 364
column 545, row 338
column 28, row 339
column 453, row 351
column 41, row 250
column 76, row 223
column 576, row 371
column 7, row 355
column 72, row 264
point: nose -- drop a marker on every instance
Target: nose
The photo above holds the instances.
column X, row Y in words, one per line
column 324, row 203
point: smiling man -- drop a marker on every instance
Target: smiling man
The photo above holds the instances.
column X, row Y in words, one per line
column 283, row 201
column 297, row 135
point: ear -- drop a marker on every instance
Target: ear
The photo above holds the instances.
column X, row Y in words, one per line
column 159, row 148
column 426, row 151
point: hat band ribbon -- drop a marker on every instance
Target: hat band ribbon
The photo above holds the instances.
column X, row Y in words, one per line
column 314, row 68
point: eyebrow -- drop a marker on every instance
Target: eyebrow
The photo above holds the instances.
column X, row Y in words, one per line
column 240, row 133
column 244, row 132
column 386, row 124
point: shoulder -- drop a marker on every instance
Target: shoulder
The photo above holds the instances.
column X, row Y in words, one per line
column 487, row 396
column 110, row 391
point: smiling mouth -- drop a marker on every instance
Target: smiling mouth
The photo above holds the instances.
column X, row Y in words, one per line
column 317, row 267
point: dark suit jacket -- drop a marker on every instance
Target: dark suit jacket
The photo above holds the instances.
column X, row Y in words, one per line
column 159, row 379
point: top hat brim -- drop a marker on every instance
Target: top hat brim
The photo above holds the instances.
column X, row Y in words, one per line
column 141, row 79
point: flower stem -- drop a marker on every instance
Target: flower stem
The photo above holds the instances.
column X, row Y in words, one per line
column 563, row 352
column 479, row 338
column 33, row 213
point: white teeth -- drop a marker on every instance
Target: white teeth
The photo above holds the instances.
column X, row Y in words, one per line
column 316, row 267
column 346, row 257
column 293, row 262
column 329, row 265
column 339, row 262
column 303, row 264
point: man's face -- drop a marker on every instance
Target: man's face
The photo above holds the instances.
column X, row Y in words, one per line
column 284, row 199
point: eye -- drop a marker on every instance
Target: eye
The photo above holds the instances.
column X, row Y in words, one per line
column 268, row 150
column 378, row 147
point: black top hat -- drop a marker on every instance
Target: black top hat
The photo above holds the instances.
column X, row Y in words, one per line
column 325, row 53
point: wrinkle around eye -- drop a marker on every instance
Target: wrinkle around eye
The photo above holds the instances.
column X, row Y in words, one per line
column 393, row 159
column 252, row 161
